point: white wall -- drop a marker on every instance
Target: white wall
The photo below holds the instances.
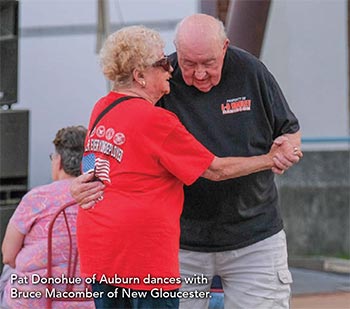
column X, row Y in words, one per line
column 306, row 49
column 60, row 79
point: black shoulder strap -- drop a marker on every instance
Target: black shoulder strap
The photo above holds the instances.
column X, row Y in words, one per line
column 108, row 108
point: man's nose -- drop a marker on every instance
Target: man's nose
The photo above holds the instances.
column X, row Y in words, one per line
column 200, row 73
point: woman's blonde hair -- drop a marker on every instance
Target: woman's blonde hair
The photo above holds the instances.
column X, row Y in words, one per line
column 129, row 48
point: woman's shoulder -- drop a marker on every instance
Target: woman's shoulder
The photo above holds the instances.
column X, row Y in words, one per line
column 39, row 202
column 142, row 110
column 52, row 186
column 143, row 114
column 53, row 190
column 157, row 117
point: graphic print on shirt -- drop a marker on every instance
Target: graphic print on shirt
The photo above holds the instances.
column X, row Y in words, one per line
column 236, row 105
column 106, row 143
column 99, row 166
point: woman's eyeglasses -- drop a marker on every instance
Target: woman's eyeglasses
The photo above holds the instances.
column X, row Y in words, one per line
column 164, row 63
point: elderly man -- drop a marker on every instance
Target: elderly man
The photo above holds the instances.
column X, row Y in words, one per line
column 232, row 104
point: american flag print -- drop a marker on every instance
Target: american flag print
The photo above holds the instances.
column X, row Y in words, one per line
column 99, row 166
column 88, row 163
column 102, row 169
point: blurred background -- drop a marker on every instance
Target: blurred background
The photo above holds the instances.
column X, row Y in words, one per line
column 50, row 78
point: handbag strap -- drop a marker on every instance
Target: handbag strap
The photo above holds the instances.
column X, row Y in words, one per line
column 108, row 108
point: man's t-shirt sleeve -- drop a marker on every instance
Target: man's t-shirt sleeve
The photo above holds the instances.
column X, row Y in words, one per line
column 284, row 120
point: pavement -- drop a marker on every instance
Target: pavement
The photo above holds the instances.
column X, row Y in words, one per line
column 325, row 286
column 321, row 301
column 306, row 282
column 320, row 283
column 318, row 289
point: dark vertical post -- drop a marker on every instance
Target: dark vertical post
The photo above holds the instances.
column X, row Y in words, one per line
column 222, row 7
column 246, row 21
column 8, row 52
column 209, row 7
column 14, row 124
column 216, row 8
column 348, row 3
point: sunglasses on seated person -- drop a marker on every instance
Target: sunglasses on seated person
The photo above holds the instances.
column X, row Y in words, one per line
column 164, row 63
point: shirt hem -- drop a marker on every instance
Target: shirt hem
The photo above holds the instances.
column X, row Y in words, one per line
column 233, row 246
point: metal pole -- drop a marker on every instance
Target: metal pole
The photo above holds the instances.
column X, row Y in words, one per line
column 102, row 23
column 102, row 29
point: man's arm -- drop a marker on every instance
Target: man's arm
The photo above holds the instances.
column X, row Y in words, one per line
column 294, row 138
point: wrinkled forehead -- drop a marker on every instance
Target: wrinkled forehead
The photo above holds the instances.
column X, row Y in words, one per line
column 199, row 50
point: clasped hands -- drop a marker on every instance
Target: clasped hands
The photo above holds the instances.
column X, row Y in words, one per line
column 284, row 154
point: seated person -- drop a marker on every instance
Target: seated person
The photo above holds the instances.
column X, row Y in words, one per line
column 24, row 247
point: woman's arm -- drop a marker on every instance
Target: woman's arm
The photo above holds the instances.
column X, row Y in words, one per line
column 11, row 245
column 232, row 167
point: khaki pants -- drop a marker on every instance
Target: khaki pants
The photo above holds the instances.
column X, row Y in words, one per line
column 253, row 277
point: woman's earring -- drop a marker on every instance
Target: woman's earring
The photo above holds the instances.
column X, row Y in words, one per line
column 143, row 84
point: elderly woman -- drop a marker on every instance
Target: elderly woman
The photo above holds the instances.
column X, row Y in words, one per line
column 143, row 155
column 25, row 243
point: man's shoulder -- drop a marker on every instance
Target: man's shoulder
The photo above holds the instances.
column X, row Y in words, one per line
column 240, row 52
column 238, row 55
column 243, row 64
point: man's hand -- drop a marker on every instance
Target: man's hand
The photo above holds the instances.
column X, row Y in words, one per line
column 285, row 154
column 86, row 193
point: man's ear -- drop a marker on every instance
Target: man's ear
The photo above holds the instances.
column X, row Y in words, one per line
column 226, row 44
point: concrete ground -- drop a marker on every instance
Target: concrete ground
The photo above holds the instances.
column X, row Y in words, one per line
column 312, row 289
column 307, row 281
column 339, row 300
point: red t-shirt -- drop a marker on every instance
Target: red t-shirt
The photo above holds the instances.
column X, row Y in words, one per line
column 145, row 156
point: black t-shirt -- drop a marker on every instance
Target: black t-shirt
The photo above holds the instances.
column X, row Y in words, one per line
column 241, row 116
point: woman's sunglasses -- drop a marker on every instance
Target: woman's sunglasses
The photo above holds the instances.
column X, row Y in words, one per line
column 164, row 63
